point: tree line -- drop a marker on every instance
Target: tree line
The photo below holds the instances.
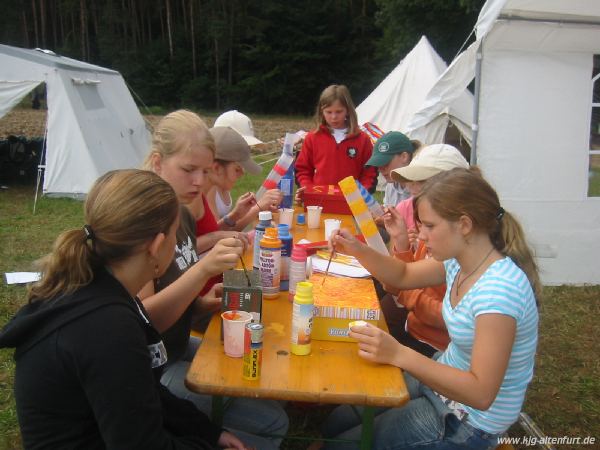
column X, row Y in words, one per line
column 259, row 56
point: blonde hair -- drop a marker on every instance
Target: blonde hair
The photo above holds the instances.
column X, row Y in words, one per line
column 340, row 93
column 179, row 131
column 123, row 210
column 464, row 192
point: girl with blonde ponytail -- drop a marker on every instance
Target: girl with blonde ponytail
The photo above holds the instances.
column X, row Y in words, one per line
column 88, row 360
column 469, row 395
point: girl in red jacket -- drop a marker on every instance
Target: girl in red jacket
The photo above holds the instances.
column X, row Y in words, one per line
column 337, row 148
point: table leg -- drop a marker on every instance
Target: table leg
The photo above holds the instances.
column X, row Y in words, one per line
column 217, row 410
column 366, row 437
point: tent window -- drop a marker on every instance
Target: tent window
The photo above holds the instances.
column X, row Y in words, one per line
column 594, row 168
column 90, row 96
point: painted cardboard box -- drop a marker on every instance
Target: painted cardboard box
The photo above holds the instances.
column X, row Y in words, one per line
column 340, row 301
column 237, row 295
column 329, row 196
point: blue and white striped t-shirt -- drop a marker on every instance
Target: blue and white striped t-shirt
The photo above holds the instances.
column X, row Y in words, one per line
column 502, row 289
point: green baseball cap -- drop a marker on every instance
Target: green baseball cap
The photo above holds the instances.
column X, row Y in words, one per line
column 387, row 146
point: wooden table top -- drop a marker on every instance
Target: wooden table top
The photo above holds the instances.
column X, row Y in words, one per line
column 332, row 373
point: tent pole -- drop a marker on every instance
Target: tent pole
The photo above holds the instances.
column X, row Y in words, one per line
column 41, row 167
column 475, row 125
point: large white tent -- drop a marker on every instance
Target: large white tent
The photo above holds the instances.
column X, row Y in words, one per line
column 400, row 95
column 533, row 62
column 93, row 124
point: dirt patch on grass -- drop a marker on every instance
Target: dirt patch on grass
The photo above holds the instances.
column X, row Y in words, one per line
column 31, row 124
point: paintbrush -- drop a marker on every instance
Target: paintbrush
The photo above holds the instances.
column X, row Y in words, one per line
column 245, row 272
column 328, row 264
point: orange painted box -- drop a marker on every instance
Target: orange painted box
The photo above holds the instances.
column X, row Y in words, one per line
column 339, row 301
column 329, row 196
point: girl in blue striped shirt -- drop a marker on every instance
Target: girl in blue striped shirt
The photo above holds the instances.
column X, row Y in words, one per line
column 474, row 391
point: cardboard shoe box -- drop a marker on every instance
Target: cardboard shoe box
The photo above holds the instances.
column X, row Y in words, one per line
column 338, row 302
column 330, row 197
column 238, row 296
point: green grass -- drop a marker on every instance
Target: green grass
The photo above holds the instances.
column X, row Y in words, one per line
column 563, row 399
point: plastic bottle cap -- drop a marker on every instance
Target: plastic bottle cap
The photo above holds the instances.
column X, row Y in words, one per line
column 304, row 288
column 284, row 229
column 265, row 215
column 299, row 252
column 271, row 232
column 301, row 219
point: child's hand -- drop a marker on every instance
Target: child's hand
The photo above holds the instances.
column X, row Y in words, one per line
column 223, row 256
column 270, row 200
column 211, row 301
column 243, row 205
column 344, row 242
column 396, row 227
column 299, row 195
column 376, row 345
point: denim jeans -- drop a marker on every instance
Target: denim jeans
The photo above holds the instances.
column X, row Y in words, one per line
column 246, row 418
column 425, row 422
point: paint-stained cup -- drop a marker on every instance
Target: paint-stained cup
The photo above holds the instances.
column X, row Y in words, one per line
column 313, row 216
column 233, row 332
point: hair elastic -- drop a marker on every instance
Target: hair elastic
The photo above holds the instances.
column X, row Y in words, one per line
column 89, row 233
column 500, row 214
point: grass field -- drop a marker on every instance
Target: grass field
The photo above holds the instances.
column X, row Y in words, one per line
column 564, row 397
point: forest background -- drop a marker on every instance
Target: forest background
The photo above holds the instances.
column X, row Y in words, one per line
column 258, row 56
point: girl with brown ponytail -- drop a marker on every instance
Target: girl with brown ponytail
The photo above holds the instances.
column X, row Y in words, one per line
column 470, row 394
column 88, row 360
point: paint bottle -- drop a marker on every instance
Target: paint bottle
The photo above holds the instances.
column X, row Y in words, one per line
column 297, row 269
column 302, row 317
column 286, row 186
column 286, row 253
column 264, row 221
column 270, row 263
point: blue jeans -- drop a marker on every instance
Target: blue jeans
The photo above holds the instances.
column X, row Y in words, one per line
column 244, row 417
column 425, row 422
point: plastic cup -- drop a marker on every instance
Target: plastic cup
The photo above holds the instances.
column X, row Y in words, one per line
column 233, row 332
column 330, row 226
column 313, row 216
column 286, row 216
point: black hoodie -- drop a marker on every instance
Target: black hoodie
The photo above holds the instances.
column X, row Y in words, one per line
column 88, row 369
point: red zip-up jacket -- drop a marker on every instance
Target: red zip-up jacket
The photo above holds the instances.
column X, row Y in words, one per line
column 323, row 161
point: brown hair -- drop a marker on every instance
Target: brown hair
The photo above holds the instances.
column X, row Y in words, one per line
column 464, row 192
column 341, row 93
column 123, row 210
column 181, row 130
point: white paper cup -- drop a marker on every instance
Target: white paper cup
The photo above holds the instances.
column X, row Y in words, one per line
column 286, row 216
column 330, row 226
column 233, row 332
column 313, row 216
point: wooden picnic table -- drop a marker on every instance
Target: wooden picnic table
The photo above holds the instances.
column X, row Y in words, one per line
column 332, row 373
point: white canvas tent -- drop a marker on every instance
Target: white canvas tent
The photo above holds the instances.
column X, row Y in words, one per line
column 395, row 100
column 533, row 63
column 93, row 124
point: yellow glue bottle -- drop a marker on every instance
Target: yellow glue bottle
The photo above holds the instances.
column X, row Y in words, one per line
column 302, row 317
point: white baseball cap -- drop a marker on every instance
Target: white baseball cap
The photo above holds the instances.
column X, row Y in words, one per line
column 240, row 123
column 430, row 161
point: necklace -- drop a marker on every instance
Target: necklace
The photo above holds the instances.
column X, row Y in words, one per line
column 460, row 282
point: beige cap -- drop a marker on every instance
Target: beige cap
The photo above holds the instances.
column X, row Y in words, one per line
column 430, row 161
column 240, row 123
column 230, row 146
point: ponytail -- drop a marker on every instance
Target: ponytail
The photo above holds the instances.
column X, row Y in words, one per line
column 70, row 266
column 124, row 210
column 509, row 240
